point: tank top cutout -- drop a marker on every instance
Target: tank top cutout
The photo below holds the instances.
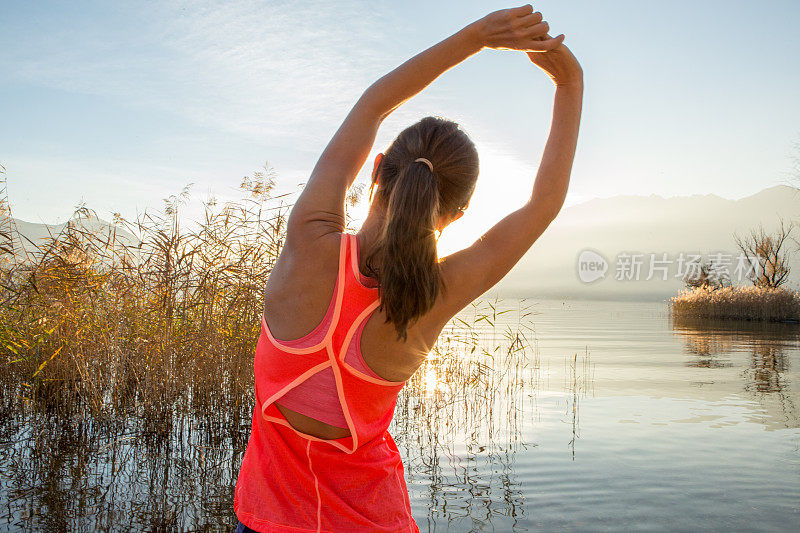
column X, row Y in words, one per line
column 317, row 397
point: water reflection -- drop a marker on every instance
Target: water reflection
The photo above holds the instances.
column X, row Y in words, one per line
column 714, row 344
column 578, row 382
column 459, row 422
column 84, row 474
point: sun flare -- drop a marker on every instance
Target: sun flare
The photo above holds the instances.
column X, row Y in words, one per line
column 430, row 381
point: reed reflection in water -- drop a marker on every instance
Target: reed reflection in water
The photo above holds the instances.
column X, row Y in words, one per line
column 459, row 422
column 714, row 343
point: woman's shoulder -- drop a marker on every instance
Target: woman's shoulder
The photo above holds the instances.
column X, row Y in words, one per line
column 305, row 261
column 300, row 286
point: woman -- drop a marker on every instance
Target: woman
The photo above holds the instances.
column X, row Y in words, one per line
column 362, row 311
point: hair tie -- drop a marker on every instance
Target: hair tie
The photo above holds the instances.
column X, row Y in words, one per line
column 423, row 160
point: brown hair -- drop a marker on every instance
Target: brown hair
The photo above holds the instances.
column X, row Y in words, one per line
column 415, row 197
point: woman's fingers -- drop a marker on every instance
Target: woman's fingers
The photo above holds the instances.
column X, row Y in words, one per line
column 537, row 30
column 522, row 10
column 545, row 45
column 518, row 28
column 530, row 19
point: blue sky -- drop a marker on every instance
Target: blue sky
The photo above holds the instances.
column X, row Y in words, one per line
column 121, row 104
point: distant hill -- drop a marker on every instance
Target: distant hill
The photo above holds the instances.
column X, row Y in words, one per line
column 30, row 235
column 643, row 224
column 701, row 224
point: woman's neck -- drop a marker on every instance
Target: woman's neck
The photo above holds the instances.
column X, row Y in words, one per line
column 369, row 233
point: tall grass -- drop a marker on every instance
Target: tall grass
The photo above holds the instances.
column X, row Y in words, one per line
column 162, row 321
column 463, row 413
column 741, row 303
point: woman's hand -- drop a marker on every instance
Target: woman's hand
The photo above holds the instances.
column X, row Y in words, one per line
column 518, row 28
column 559, row 64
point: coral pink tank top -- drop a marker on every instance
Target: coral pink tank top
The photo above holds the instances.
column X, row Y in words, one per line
column 316, row 397
column 293, row 482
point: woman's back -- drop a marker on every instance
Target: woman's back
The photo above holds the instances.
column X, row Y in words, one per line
column 298, row 299
column 292, row 478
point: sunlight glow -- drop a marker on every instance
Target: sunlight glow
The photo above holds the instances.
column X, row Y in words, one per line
column 505, row 182
column 430, row 381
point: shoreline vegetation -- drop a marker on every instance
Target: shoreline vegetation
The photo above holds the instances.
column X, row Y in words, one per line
column 142, row 318
column 765, row 304
column 155, row 320
column 711, row 295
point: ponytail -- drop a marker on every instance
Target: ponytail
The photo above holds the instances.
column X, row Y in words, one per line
column 410, row 276
column 404, row 258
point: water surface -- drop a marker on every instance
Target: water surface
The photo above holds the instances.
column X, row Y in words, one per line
column 637, row 422
column 606, row 416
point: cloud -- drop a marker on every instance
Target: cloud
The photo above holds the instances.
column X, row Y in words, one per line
column 254, row 68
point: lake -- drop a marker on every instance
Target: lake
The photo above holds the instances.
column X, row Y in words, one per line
column 678, row 426
column 532, row 415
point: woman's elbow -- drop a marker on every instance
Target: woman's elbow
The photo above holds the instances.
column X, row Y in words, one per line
column 547, row 207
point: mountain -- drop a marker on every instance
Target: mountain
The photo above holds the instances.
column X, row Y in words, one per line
column 699, row 224
column 29, row 236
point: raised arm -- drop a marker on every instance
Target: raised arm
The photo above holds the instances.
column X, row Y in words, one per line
column 320, row 208
column 474, row 270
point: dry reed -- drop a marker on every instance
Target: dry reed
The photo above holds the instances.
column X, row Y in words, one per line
column 739, row 303
column 148, row 318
